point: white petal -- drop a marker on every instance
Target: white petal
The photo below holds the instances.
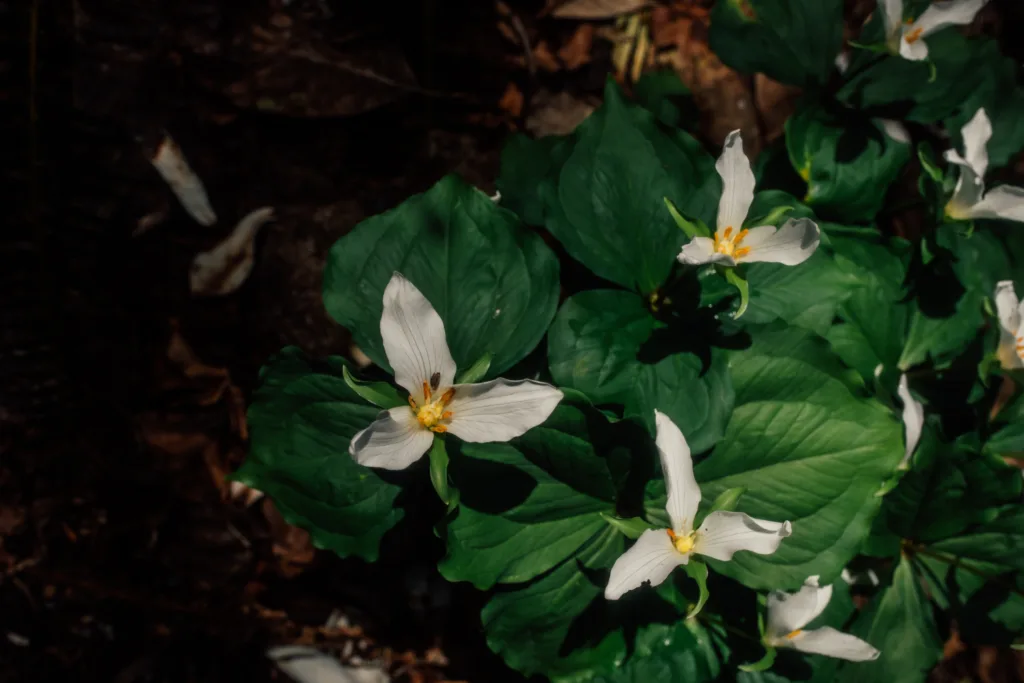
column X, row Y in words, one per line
column 414, row 340
column 1000, row 202
column 652, row 558
column 701, row 250
column 1007, row 306
column 895, row 130
column 725, row 533
column 842, row 61
column 832, row 643
column 790, row 245
column 913, row 419
column 942, row 14
column 737, row 183
column 976, row 133
column 677, row 465
column 788, row 612
column 393, row 441
column 916, row 51
column 501, row 409
column 892, row 15
column 969, row 187
column 170, row 163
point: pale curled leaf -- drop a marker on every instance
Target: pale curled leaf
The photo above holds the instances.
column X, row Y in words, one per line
column 170, row 163
column 596, row 9
column 224, row 268
column 309, row 665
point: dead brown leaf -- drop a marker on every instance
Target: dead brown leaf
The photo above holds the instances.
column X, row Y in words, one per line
column 511, row 101
column 292, row 546
column 594, row 9
column 576, row 51
column 557, row 113
column 776, row 103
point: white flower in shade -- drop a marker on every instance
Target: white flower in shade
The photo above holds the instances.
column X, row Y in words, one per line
column 415, row 344
column 913, row 419
column 658, row 551
column 1011, row 315
column 969, row 199
column 788, row 613
column 907, row 37
column 791, row 244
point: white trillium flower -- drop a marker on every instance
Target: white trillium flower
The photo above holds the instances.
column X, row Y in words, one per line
column 416, row 348
column 907, row 37
column 658, row 551
column 969, row 199
column 788, row 613
column 913, row 419
column 791, row 244
column 1011, row 317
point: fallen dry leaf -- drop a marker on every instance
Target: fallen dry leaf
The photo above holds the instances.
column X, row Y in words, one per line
column 170, row 163
column 596, row 9
column 556, row 114
column 291, row 545
column 224, row 268
column 511, row 101
column 576, row 51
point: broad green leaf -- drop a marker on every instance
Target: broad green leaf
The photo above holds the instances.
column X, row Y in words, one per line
column 899, row 623
column 611, row 193
column 1008, row 429
column 1000, row 541
column 556, row 481
column 807, row 450
column 494, row 283
column 986, row 600
column 791, row 41
column 679, row 652
column 663, row 94
column 848, row 162
column 595, row 346
column 301, row 420
column 526, row 166
column 529, row 624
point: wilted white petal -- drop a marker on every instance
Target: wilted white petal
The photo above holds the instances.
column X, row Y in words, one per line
column 737, row 183
column 224, row 268
column 725, row 533
column 842, row 61
column 832, row 643
column 652, row 558
column 677, row 466
column 895, row 130
column 892, row 16
column 1000, row 202
column 976, row 133
column 790, row 245
column 414, row 339
column 309, row 665
column 1007, row 306
column 170, row 163
column 913, row 419
column 393, row 441
column 501, row 409
column 942, row 14
column 788, row 612
column 701, row 250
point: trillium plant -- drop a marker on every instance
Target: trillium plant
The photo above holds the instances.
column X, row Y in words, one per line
column 642, row 449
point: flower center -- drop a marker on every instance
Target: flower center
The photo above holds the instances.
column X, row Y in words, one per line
column 432, row 414
column 914, row 36
column 1020, row 347
column 728, row 244
column 685, row 543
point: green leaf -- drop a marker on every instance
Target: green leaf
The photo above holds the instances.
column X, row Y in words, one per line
column 438, row 456
column 301, row 420
column 669, row 653
column 594, row 347
column 689, row 227
column 557, row 480
column 527, row 166
column 986, row 600
column 698, row 571
column 762, row 664
column 494, row 284
column 630, row 528
column 1000, row 541
column 791, row 41
column 611, row 216
column 477, row 371
column 807, row 450
column 728, row 499
column 742, row 286
column 848, row 163
column 899, row 623
column 667, row 97
column 380, row 394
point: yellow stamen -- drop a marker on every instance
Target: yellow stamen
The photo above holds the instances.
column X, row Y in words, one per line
column 793, row 634
column 412, row 403
column 726, row 244
column 683, row 544
column 426, row 392
column 914, row 36
column 433, row 413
